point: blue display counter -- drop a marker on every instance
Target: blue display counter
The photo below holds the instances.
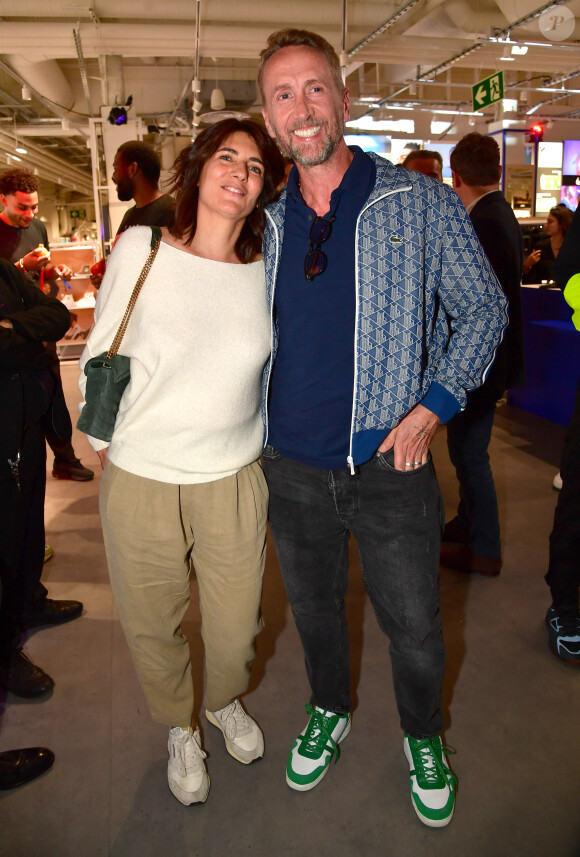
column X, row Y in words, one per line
column 552, row 347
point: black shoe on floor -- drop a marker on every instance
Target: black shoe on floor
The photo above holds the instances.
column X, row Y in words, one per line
column 25, row 679
column 51, row 612
column 20, row 766
column 71, row 470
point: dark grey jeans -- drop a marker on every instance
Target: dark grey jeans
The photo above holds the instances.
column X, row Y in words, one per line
column 396, row 518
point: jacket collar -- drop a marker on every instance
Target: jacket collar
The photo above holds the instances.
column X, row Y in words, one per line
column 388, row 178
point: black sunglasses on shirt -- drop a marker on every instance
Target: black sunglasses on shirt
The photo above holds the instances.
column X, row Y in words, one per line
column 316, row 259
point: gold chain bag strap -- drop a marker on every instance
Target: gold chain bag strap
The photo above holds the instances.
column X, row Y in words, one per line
column 109, row 373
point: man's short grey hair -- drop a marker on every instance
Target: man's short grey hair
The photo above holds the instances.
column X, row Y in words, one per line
column 291, row 38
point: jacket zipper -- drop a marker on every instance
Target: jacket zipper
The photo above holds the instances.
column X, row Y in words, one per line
column 350, row 459
column 277, row 257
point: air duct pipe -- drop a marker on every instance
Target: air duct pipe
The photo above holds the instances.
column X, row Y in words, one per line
column 46, row 78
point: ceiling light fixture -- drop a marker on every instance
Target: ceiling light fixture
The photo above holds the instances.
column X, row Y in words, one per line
column 26, row 93
column 217, row 100
column 197, row 103
column 118, row 115
column 17, row 147
column 507, row 55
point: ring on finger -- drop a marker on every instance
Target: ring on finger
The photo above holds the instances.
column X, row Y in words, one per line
column 417, row 463
column 408, row 463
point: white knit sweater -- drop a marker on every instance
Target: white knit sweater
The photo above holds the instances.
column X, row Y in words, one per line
column 198, row 339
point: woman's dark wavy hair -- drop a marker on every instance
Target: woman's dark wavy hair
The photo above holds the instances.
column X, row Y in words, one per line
column 564, row 217
column 186, row 173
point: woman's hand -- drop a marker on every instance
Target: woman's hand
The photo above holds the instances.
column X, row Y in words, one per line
column 102, row 453
column 532, row 260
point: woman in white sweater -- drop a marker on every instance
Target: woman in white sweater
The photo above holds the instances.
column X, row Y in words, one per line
column 182, row 483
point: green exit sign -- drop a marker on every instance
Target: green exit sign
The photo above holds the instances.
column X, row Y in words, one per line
column 487, row 91
column 78, row 213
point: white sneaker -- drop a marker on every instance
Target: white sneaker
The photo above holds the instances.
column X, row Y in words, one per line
column 186, row 773
column 243, row 736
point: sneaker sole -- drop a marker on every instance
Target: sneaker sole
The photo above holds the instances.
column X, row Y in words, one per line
column 572, row 659
column 189, row 798
column 305, row 787
column 73, row 478
column 229, row 748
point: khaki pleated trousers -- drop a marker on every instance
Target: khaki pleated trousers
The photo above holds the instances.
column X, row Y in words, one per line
column 152, row 532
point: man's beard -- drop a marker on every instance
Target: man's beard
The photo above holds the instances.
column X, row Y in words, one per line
column 329, row 147
column 19, row 223
column 125, row 189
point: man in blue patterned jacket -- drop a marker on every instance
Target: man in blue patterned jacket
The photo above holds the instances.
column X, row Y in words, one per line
column 368, row 269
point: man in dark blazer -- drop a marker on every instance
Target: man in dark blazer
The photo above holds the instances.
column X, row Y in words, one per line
column 476, row 171
column 27, row 318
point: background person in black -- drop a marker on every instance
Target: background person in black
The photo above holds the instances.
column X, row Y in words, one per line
column 563, row 577
column 27, row 319
column 539, row 265
column 136, row 171
column 20, row 235
column 476, row 170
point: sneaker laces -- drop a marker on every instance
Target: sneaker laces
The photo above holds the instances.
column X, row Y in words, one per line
column 317, row 736
column 430, row 771
column 190, row 753
column 234, row 720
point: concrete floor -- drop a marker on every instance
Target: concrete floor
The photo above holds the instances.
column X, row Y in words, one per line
column 511, row 708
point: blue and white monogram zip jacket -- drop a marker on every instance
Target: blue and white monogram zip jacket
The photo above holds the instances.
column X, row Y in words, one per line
column 429, row 310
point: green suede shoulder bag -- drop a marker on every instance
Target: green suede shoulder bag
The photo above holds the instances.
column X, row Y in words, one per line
column 109, row 373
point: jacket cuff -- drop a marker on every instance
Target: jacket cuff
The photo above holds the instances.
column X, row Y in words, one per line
column 441, row 402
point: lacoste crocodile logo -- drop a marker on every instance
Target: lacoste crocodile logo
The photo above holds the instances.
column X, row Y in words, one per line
column 395, row 239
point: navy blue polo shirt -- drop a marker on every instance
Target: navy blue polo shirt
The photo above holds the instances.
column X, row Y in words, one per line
column 312, row 383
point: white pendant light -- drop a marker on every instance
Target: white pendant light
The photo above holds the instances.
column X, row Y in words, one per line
column 217, row 101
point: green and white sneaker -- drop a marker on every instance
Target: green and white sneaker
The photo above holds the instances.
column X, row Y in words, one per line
column 315, row 748
column 432, row 783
